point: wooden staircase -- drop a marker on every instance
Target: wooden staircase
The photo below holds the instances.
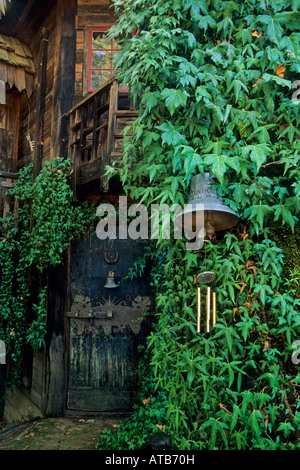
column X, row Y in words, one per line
column 95, row 133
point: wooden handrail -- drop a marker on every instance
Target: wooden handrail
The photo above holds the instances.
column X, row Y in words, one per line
column 8, row 174
column 95, row 133
column 91, row 96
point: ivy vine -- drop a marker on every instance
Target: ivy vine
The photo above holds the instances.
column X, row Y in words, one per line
column 214, row 82
column 47, row 220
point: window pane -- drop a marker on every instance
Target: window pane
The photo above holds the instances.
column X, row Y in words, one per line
column 101, row 60
column 100, row 41
column 116, row 43
column 98, row 77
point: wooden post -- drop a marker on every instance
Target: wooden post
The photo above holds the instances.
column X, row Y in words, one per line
column 64, row 75
column 9, row 131
column 95, row 125
column 113, row 106
column 54, row 398
column 40, row 104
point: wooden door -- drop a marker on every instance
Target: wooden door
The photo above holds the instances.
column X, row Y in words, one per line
column 106, row 326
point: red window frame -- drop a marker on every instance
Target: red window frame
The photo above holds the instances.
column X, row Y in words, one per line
column 91, row 49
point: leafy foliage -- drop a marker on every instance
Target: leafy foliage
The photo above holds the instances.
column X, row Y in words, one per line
column 4, row 6
column 47, row 221
column 213, row 81
column 213, row 99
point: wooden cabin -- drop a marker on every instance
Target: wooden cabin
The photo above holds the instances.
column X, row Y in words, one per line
column 59, row 98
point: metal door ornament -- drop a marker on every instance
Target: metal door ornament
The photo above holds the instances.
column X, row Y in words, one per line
column 108, row 256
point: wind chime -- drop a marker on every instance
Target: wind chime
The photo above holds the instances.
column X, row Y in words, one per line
column 205, row 206
column 207, row 278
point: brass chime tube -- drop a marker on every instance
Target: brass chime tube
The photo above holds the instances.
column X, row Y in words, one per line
column 198, row 308
column 214, row 308
column 207, row 309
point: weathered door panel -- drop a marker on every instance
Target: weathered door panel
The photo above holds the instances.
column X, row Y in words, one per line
column 106, row 326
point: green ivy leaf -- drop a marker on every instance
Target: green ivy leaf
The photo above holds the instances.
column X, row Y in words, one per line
column 171, row 135
column 258, row 154
column 174, row 99
column 259, row 213
column 273, row 27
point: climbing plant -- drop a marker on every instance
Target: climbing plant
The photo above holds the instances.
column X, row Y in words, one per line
column 216, row 84
column 37, row 235
column 4, row 5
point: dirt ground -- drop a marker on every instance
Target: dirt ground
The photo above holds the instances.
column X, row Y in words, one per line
column 54, row 433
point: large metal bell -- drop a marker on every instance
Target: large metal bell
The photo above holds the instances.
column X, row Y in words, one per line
column 203, row 198
column 110, row 281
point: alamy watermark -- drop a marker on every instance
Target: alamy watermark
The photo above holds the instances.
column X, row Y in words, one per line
column 156, row 222
column 295, row 99
column 2, row 353
column 296, row 355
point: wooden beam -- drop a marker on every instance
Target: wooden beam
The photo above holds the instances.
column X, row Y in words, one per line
column 8, row 174
column 24, row 15
column 64, row 78
column 40, row 103
column 90, row 171
column 6, row 184
column 91, row 96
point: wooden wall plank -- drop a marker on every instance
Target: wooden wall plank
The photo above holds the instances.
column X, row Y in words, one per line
column 64, row 74
column 28, row 104
column 90, row 13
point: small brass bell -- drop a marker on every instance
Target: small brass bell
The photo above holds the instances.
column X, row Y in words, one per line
column 204, row 199
column 110, row 281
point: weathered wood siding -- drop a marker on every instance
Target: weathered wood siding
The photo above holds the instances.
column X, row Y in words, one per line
column 9, row 121
column 9, row 129
column 28, row 106
column 90, row 13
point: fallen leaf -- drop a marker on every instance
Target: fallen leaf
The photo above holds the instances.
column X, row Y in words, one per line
column 258, row 80
column 250, row 265
column 162, row 427
column 234, row 311
column 243, row 285
column 247, row 305
column 147, row 401
column 81, row 420
column 224, row 408
column 256, row 33
column 280, row 70
column 244, row 233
